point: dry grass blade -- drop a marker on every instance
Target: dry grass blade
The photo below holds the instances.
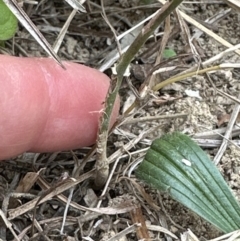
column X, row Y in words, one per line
column 162, row 230
column 228, row 237
column 227, row 135
column 27, row 182
column 123, row 233
column 145, row 195
column 65, row 186
column 8, row 225
column 63, row 31
column 75, row 4
column 198, row 72
column 234, row 4
column 152, row 80
column 236, row 100
column 113, row 56
column 204, row 29
column 151, row 118
column 189, row 236
column 66, row 210
column 32, row 29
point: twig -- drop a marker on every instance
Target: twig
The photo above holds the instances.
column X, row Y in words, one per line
column 137, row 217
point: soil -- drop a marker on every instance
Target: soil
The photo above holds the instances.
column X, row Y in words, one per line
column 90, row 41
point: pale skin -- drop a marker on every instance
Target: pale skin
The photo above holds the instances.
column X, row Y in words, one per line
column 44, row 108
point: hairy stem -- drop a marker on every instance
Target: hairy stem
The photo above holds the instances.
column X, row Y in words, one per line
column 102, row 162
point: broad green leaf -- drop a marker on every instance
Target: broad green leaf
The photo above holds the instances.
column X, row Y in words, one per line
column 177, row 165
column 8, row 22
column 168, row 53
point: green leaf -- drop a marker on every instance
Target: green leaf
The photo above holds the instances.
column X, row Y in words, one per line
column 177, row 165
column 168, row 53
column 8, row 22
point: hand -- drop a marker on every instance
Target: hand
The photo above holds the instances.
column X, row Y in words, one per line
column 44, row 108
